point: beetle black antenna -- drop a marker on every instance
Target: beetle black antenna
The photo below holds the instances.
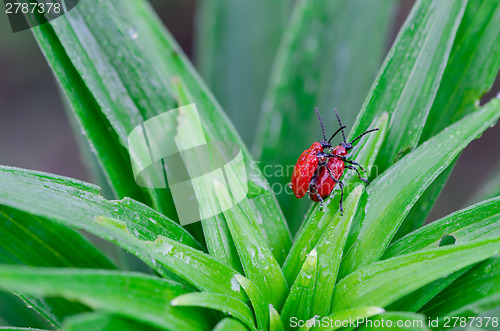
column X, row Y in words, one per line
column 361, row 135
column 320, row 122
column 333, row 135
column 340, row 123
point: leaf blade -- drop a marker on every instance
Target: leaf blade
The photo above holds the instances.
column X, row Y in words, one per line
column 385, row 281
column 397, row 189
column 115, row 292
column 313, row 67
column 226, row 304
column 477, row 221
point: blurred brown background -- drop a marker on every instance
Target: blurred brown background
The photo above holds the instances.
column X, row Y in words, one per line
column 35, row 133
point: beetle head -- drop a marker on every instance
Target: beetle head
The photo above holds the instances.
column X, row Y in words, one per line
column 325, row 144
column 347, row 146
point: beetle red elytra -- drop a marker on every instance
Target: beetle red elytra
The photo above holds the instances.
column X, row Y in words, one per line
column 320, row 167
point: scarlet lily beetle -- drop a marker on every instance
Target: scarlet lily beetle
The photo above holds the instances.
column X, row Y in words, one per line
column 320, row 167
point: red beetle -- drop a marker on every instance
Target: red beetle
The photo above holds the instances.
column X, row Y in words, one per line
column 319, row 168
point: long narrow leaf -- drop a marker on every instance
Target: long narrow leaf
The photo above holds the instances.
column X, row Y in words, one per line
column 129, row 71
column 384, row 282
column 230, row 324
column 477, row 221
column 319, row 218
column 391, row 195
column 102, row 322
column 216, row 233
column 475, row 292
column 184, row 262
column 87, row 97
column 131, row 225
column 437, row 23
column 23, row 189
column 414, row 301
column 275, row 322
column 227, row 34
column 260, row 265
column 471, row 70
column 142, row 298
column 260, row 306
column 32, row 241
column 326, row 59
column 299, row 301
column 330, row 249
column 414, row 58
column 223, row 303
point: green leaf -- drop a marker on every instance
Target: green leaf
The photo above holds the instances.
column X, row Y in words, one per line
column 417, row 299
column 344, row 317
column 133, row 295
column 259, row 263
column 230, row 324
column 9, row 328
column 383, row 282
column 431, row 30
column 477, row 221
column 413, row 66
column 129, row 62
column 260, row 306
column 330, row 248
column 397, row 321
column 89, row 99
column 419, row 212
column 475, row 292
column 23, row 189
column 391, row 195
column 227, row 34
column 131, row 225
column 275, row 322
column 33, row 241
column 215, row 231
column 317, row 221
column 471, row 70
column 194, row 267
column 326, row 60
column 299, row 302
column 472, row 67
column 223, row 303
column 102, row 322
column 14, row 311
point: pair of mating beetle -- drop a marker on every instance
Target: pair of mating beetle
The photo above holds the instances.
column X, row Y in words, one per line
column 320, row 167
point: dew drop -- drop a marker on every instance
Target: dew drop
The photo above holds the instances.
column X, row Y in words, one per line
column 235, row 285
column 133, row 33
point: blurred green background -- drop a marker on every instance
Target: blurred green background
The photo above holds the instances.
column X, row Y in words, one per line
column 35, row 133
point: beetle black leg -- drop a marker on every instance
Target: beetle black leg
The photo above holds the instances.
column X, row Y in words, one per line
column 313, row 190
column 354, row 163
column 312, row 185
column 359, row 175
column 341, row 185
